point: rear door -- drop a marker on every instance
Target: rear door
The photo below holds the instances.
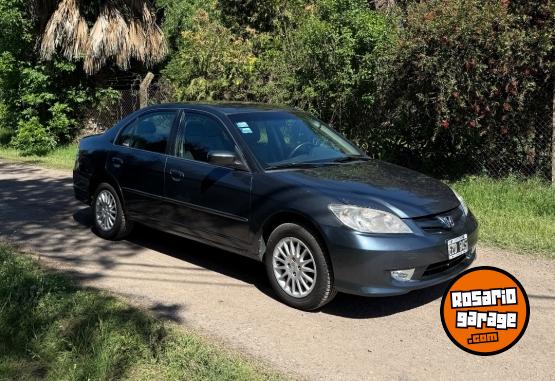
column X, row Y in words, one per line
column 209, row 202
column 138, row 162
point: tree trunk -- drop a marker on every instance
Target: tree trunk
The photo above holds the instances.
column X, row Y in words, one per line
column 143, row 90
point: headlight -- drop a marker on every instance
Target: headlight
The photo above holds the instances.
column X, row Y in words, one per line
column 369, row 220
column 463, row 204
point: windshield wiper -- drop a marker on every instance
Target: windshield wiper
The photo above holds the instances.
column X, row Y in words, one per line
column 346, row 159
column 293, row 165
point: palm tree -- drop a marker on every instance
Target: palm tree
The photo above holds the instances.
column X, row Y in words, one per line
column 122, row 30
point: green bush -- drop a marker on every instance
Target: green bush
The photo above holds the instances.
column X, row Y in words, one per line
column 320, row 58
column 6, row 130
column 61, row 125
column 439, row 85
column 211, row 63
column 259, row 15
column 6, row 135
column 33, row 138
column 468, row 80
column 179, row 15
column 34, row 93
column 327, row 64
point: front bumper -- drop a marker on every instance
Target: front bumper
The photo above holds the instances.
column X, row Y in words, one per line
column 362, row 263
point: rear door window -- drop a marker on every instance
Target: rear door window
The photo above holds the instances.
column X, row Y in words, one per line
column 150, row 132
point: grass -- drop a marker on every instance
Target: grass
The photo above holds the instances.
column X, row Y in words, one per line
column 52, row 329
column 61, row 158
column 513, row 214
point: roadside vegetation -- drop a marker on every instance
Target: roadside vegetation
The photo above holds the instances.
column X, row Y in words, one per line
column 52, row 329
column 62, row 158
column 448, row 87
column 513, row 214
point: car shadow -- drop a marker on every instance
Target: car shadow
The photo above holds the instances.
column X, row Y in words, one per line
column 252, row 272
column 358, row 307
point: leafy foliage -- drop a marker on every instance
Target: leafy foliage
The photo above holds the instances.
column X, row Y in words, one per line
column 211, row 62
column 179, row 15
column 468, row 79
column 39, row 100
column 432, row 84
column 6, row 135
column 320, row 58
column 327, row 64
column 33, row 138
column 258, row 15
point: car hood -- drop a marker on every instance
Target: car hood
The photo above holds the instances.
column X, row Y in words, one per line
column 380, row 185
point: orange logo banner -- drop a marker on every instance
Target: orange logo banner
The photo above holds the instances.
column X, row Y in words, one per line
column 485, row 311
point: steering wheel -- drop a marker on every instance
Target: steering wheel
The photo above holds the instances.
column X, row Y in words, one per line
column 298, row 148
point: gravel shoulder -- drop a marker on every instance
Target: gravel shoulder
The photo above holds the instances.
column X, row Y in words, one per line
column 227, row 297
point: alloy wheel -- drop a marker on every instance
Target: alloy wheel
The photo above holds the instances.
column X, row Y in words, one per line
column 294, row 267
column 106, row 210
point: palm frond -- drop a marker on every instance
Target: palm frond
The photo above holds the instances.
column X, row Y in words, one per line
column 137, row 39
column 109, row 39
column 66, row 29
column 155, row 45
column 156, row 48
column 147, row 40
column 124, row 29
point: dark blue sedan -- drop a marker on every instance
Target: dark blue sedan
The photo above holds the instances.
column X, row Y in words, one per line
column 279, row 186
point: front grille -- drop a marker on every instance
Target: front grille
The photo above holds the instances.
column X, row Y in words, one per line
column 433, row 224
column 440, row 267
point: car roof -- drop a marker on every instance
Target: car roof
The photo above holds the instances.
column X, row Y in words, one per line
column 226, row 108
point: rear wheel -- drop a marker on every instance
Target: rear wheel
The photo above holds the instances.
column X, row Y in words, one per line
column 110, row 220
column 299, row 270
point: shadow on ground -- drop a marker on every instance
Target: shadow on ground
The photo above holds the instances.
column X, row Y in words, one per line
column 252, row 272
column 38, row 209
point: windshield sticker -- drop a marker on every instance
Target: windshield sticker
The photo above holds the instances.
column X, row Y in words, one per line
column 244, row 127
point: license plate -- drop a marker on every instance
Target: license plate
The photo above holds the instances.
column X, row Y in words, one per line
column 457, row 246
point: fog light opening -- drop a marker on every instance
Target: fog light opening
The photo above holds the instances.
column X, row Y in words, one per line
column 402, row 275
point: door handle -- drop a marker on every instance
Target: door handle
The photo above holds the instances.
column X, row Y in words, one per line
column 117, row 162
column 176, row 175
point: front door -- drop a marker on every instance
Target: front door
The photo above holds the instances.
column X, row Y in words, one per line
column 210, row 202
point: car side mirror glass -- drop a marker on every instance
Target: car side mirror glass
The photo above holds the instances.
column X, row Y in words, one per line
column 225, row 159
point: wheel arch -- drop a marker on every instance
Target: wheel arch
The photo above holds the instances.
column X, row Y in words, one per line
column 101, row 176
column 288, row 216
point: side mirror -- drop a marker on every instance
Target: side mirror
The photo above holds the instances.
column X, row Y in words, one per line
column 225, row 159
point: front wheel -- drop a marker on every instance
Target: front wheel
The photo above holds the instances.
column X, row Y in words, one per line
column 298, row 269
column 110, row 221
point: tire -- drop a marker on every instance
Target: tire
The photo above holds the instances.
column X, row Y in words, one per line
column 121, row 225
column 280, row 268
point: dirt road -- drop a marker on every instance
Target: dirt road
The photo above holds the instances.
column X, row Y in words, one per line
column 227, row 297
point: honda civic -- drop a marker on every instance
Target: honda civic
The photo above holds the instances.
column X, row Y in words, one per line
column 279, row 186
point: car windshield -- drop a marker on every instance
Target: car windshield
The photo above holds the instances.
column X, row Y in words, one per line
column 281, row 139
